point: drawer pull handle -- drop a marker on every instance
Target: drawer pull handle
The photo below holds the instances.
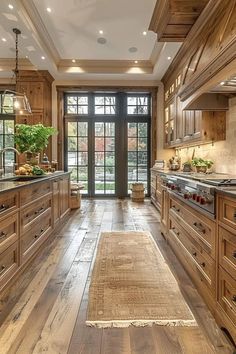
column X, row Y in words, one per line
column 3, row 207
column 174, row 207
column 39, row 211
column 42, row 230
column 203, row 264
column 234, row 298
column 3, row 267
column 234, row 254
column 234, row 214
column 199, row 227
column 2, row 234
column 36, row 236
column 194, row 254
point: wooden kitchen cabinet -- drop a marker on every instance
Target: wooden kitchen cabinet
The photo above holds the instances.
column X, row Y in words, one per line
column 164, row 211
column 191, row 125
column 27, row 219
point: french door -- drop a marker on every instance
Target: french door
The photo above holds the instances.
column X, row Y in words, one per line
column 107, row 142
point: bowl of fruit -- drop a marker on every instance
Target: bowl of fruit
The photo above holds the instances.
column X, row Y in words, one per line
column 29, row 172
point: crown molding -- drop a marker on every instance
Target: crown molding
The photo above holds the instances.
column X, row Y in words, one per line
column 8, row 64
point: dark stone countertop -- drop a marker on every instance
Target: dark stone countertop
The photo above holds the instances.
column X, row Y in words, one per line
column 8, row 181
column 227, row 191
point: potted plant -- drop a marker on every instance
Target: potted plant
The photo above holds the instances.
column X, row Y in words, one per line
column 32, row 140
column 201, row 165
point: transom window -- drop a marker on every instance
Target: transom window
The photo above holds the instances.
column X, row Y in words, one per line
column 77, row 105
column 105, row 105
column 138, row 105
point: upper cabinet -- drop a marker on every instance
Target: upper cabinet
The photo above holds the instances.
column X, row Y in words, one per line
column 173, row 19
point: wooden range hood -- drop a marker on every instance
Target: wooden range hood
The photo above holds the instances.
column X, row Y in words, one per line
column 206, row 61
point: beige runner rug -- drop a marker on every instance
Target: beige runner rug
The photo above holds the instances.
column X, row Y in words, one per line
column 132, row 284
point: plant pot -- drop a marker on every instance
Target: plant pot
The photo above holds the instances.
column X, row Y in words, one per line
column 32, row 158
column 201, row 169
column 187, row 168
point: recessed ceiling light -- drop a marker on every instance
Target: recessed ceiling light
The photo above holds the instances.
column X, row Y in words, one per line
column 11, row 6
column 49, row 9
column 26, row 56
column 4, row 39
column 169, row 58
column 136, row 61
column 73, row 60
column 144, row 33
column 101, row 31
column 42, row 57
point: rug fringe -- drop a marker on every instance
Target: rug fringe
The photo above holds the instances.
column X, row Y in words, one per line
column 144, row 323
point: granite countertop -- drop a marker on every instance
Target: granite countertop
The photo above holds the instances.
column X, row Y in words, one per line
column 228, row 191
column 8, row 181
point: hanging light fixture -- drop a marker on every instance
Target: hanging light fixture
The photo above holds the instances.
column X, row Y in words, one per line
column 15, row 102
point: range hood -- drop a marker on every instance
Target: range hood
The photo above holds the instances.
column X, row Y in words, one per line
column 217, row 99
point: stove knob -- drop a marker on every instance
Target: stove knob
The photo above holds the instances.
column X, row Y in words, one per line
column 186, row 196
column 194, row 196
column 198, row 198
column 203, row 200
column 173, row 187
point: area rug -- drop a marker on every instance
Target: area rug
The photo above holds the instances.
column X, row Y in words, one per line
column 132, row 284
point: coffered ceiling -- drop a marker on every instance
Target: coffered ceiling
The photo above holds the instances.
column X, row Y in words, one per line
column 88, row 39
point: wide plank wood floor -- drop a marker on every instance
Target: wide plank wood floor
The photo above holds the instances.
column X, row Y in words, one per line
column 45, row 310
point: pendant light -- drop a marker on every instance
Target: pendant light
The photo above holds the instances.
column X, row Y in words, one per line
column 15, row 102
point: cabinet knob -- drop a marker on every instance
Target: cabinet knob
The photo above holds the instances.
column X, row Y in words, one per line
column 194, row 254
column 234, row 298
column 234, row 254
column 3, row 267
column 2, row 234
column 203, row 264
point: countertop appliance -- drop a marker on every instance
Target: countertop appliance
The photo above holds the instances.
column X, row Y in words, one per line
column 200, row 194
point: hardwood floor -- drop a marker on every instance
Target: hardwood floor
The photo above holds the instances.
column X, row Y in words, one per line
column 45, row 310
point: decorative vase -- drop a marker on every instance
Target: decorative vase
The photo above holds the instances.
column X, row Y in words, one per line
column 32, row 158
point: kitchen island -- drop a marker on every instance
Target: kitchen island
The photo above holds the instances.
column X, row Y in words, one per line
column 198, row 220
column 30, row 210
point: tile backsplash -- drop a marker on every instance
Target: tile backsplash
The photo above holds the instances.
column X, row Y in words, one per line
column 223, row 153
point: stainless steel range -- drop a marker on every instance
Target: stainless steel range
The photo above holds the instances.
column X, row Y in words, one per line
column 199, row 193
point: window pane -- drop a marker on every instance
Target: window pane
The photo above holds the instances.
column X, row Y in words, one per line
column 132, row 129
column 1, row 126
column 132, row 101
column 83, row 100
column 132, row 174
column 82, row 109
column 73, row 171
column 99, row 173
column 99, row 129
column 9, row 140
column 72, row 144
column 99, row 100
column 142, row 174
column 9, row 126
column 72, row 100
column 110, row 129
column 132, row 144
column 142, row 158
column 110, row 173
column 142, row 129
column 82, row 158
column 110, row 159
column 99, row 187
column 110, row 144
column 110, row 187
column 142, row 144
column 99, row 158
column 82, row 129
column 99, row 109
column 132, row 158
column 72, row 158
column 132, row 110
column 83, row 144
column 110, row 100
column 99, row 144
column 72, row 109
column 110, row 110
column 142, row 101
column 72, row 128
column 83, row 173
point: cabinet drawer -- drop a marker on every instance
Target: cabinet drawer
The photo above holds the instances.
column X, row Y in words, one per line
column 9, row 261
column 8, row 231
column 36, row 233
column 227, row 212
column 200, row 227
column 8, row 203
column 205, row 263
column 56, row 186
column 31, row 193
column 227, row 294
column 34, row 212
column 227, row 251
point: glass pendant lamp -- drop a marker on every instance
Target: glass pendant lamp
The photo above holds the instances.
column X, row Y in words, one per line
column 15, row 102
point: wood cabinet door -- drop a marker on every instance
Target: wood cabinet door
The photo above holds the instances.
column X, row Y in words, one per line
column 188, row 125
column 64, row 195
column 197, row 124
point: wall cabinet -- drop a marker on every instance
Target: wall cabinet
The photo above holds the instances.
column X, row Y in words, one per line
column 28, row 216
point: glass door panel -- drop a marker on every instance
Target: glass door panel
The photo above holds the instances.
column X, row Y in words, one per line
column 137, row 135
column 104, row 161
column 77, row 153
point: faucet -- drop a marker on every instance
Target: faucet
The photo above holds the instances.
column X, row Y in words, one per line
column 1, row 157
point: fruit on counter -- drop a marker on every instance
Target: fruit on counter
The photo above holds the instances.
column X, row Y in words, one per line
column 28, row 170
